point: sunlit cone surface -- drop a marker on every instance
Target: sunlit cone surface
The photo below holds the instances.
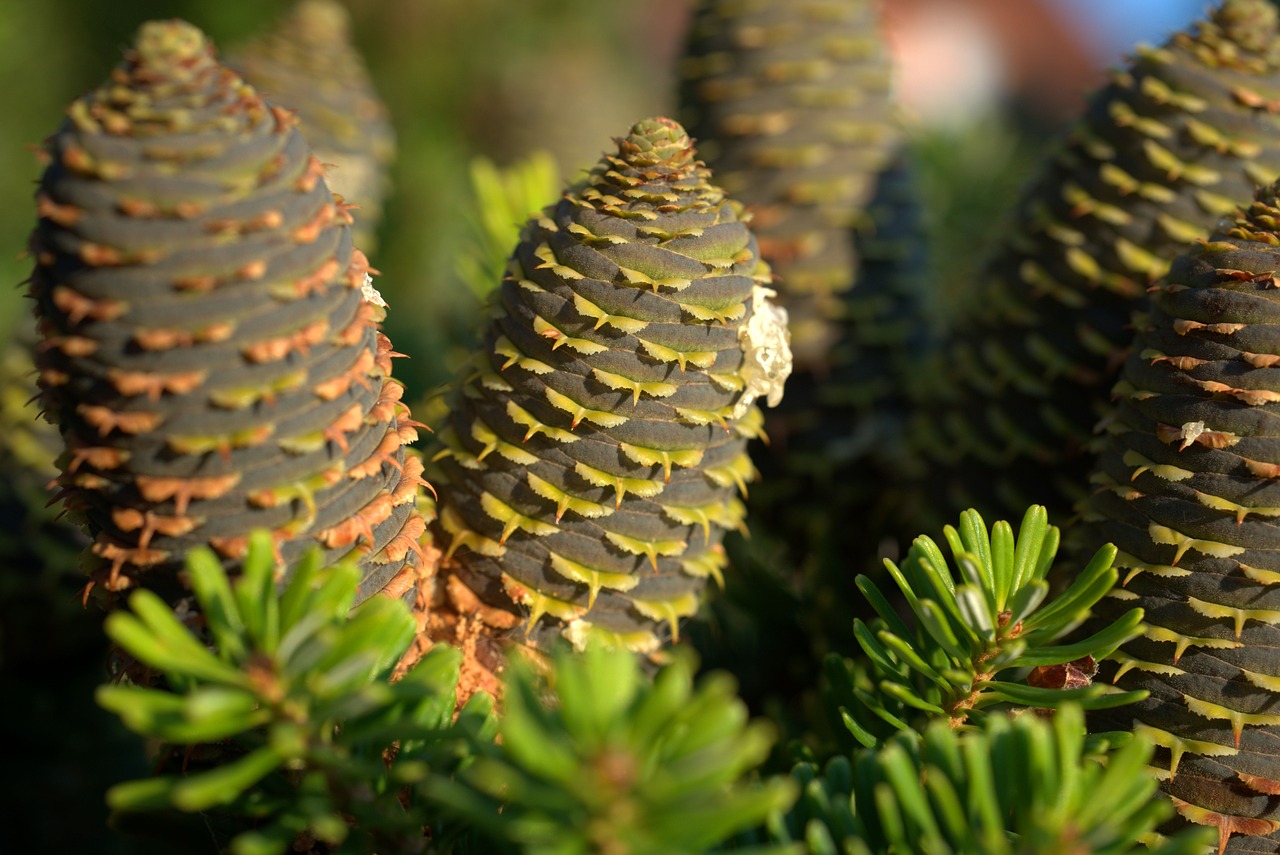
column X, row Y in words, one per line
column 309, row 64
column 1188, row 492
column 596, row 455
column 789, row 100
column 1175, row 141
column 210, row 348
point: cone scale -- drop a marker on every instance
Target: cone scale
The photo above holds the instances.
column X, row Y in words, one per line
column 210, row 347
column 595, row 456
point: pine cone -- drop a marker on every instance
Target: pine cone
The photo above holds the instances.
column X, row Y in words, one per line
column 1188, row 494
column 789, row 100
column 1171, row 145
column 210, row 344
column 595, row 455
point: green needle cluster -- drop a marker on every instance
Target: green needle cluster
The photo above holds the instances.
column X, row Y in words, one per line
column 594, row 757
column 979, row 618
column 1012, row 786
column 310, row 741
column 504, row 198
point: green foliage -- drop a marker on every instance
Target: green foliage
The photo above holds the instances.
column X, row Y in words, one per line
column 1013, row 785
column 594, row 758
column 504, row 198
column 312, row 738
column 976, row 618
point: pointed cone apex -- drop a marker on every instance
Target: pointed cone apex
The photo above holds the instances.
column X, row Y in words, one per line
column 1253, row 24
column 1261, row 220
column 657, row 142
column 171, row 50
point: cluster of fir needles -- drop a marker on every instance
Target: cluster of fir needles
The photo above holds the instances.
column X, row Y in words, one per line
column 210, row 344
column 595, row 452
column 1188, row 493
column 308, row 64
column 1174, row 142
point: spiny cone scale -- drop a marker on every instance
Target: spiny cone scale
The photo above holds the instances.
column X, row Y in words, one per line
column 308, row 64
column 1172, row 144
column 595, row 456
column 210, row 346
column 1188, row 492
column 789, row 100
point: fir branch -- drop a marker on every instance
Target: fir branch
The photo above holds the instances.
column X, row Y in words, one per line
column 1010, row 785
column 980, row 623
column 504, row 198
column 310, row 740
column 595, row 758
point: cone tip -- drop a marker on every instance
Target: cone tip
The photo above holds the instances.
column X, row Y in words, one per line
column 170, row 42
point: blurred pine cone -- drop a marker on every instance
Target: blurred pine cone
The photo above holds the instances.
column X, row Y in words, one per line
column 309, row 64
column 1176, row 140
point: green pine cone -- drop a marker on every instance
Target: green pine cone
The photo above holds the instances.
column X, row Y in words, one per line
column 790, row 102
column 594, row 458
column 308, row 64
column 210, row 343
column 1189, row 497
column 1173, row 143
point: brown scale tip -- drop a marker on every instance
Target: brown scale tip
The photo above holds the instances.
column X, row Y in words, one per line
column 171, row 44
column 1252, row 24
column 657, row 141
